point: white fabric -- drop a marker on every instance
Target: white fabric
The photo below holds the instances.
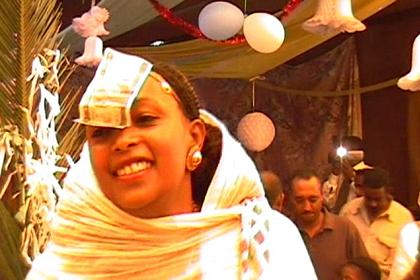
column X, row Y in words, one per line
column 411, row 81
column 93, row 239
column 330, row 189
column 407, row 250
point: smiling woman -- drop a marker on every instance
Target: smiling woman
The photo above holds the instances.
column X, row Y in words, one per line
column 141, row 168
column 161, row 188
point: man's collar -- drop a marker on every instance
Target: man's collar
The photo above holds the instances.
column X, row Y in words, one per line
column 328, row 220
column 387, row 214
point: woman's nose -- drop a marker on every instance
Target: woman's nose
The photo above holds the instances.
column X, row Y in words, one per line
column 125, row 139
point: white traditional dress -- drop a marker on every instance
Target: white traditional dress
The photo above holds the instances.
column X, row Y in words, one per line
column 235, row 236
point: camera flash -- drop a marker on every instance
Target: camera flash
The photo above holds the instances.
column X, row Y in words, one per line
column 341, row 151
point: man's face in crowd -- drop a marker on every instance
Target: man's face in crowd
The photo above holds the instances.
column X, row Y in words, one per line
column 377, row 200
column 306, row 199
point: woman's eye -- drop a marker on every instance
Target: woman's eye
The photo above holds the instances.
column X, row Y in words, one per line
column 145, row 119
column 99, row 132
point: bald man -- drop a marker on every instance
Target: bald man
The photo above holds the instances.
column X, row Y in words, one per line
column 273, row 189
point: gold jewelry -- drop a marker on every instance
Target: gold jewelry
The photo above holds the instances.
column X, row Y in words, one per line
column 194, row 158
column 195, row 207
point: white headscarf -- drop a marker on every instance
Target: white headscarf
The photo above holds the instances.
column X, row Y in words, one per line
column 94, row 239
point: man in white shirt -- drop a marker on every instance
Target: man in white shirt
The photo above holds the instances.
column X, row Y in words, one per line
column 378, row 217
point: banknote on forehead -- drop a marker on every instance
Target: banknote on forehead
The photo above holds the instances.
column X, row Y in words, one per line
column 117, row 82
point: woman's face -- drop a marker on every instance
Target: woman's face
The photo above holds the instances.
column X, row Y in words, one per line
column 141, row 168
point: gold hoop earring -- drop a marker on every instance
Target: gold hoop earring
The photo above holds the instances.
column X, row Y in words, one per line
column 194, row 158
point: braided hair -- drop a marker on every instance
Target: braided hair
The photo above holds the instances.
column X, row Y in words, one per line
column 211, row 151
column 182, row 87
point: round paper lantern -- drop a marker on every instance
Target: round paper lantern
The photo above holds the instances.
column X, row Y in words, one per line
column 256, row 131
column 263, row 32
column 220, row 20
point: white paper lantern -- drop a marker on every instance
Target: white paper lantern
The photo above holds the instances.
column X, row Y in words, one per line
column 220, row 20
column 256, row 131
column 411, row 81
column 263, row 32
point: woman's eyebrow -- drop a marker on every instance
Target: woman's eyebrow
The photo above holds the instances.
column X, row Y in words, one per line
column 143, row 102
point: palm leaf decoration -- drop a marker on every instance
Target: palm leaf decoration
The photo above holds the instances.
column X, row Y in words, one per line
column 27, row 27
column 28, row 30
column 10, row 265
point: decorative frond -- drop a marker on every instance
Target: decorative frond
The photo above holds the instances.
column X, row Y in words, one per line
column 26, row 28
column 72, row 135
column 30, row 70
column 10, row 268
column 72, row 141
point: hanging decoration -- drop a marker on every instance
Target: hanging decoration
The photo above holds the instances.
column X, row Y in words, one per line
column 411, row 81
column 187, row 27
column 92, row 54
column 333, row 16
column 289, row 8
column 213, row 22
column 90, row 26
column 263, row 32
column 195, row 32
column 42, row 188
column 256, row 131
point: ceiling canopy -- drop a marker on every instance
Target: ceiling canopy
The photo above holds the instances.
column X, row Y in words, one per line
column 133, row 25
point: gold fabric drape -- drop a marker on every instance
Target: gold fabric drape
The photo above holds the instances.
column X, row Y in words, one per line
column 354, row 111
column 202, row 58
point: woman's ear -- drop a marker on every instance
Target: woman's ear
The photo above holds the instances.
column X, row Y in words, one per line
column 198, row 132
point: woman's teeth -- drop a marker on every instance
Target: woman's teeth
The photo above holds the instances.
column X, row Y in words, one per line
column 133, row 168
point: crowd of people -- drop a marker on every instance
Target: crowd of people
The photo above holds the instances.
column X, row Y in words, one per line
column 163, row 191
column 380, row 239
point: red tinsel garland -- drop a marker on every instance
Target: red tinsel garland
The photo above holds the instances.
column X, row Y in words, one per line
column 289, row 7
column 195, row 32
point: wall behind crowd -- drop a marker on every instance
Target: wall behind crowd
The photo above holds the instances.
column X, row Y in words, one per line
column 391, row 117
column 305, row 123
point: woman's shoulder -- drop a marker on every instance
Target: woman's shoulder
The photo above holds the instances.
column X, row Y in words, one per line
column 279, row 223
column 288, row 254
